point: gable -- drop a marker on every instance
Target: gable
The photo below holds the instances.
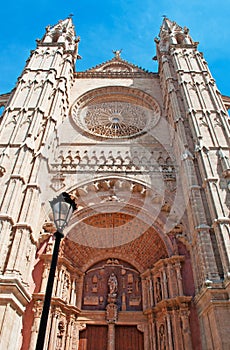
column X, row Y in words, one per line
column 116, row 64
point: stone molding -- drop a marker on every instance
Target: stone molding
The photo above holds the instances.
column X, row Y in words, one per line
column 13, row 291
column 115, row 75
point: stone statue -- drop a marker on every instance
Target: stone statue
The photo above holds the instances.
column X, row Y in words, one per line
column 117, row 53
column 113, row 284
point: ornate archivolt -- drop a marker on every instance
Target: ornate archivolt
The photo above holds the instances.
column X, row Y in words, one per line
column 118, row 215
column 115, row 112
column 107, row 200
column 117, row 190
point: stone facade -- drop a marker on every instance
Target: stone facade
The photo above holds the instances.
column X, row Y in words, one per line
column 145, row 260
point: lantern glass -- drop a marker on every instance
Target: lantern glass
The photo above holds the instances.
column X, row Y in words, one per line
column 63, row 207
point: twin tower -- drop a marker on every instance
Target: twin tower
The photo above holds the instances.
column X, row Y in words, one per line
column 145, row 261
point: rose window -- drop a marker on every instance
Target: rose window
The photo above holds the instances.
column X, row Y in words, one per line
column 114, row 119
column 115, row 112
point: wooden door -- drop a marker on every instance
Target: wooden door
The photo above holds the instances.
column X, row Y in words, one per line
column 93, row 338
column 128, row 338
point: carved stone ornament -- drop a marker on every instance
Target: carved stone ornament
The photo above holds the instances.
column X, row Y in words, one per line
column 111, row 312
column 57, row 182
column 115, row 119
column 81, row 326
column 113, row 285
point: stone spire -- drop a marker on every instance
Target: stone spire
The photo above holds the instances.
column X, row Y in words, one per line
column 62, row 33
column 171, row 34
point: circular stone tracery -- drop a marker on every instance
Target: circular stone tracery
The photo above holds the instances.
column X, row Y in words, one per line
column 115, row 112
column 114, row 119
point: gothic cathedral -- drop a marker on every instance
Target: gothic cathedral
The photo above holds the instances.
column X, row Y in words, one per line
column 144, row 264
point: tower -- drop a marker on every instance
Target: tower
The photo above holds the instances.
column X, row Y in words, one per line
column 145, row 263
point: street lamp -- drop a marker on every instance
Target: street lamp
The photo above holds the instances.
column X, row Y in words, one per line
column 63, row 207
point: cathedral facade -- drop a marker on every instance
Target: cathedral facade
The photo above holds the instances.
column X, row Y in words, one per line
column 144, row 264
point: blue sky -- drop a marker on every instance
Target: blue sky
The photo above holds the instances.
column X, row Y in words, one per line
column 106, row 25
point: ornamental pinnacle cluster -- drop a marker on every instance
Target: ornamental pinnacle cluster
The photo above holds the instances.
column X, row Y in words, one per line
column 144, row 264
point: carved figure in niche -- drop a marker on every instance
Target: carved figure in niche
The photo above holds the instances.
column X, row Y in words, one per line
column 113, row 284
column 65, row 290
column 158, row 290
column 61, row 330
column 162, row 337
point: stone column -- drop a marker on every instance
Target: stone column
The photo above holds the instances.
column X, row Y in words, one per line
column 69, row 333
column 59, row 282
column 151, row 289
column 73, row 291
column 145, row 290
column 34, row 330
column 186, row 330
column 5, row 233
column 165, row 284
column 169, row 332
column 170, row 282
column 54, row 329
column 17, row 251
column 79, row 291
column 111, row 336
column 177, row 331
column 152, row 332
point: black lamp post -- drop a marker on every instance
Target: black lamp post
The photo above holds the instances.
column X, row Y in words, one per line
column 63, row 207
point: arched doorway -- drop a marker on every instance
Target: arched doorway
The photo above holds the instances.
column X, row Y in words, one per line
column 119, row 280
column 112, row 307
column 114, row 286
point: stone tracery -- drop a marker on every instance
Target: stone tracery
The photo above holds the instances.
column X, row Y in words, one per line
column 115, row 112
column 115, row 119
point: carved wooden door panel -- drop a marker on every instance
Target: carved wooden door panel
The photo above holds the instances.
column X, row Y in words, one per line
column 93, row 338
column 128, row 338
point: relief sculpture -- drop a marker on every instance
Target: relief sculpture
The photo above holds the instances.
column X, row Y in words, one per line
column 113, row 286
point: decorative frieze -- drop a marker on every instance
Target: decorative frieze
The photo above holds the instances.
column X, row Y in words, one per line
column 133, row 160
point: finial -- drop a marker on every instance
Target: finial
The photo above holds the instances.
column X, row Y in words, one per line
column 164, row 16
column 117, row 53
column 70, row 15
